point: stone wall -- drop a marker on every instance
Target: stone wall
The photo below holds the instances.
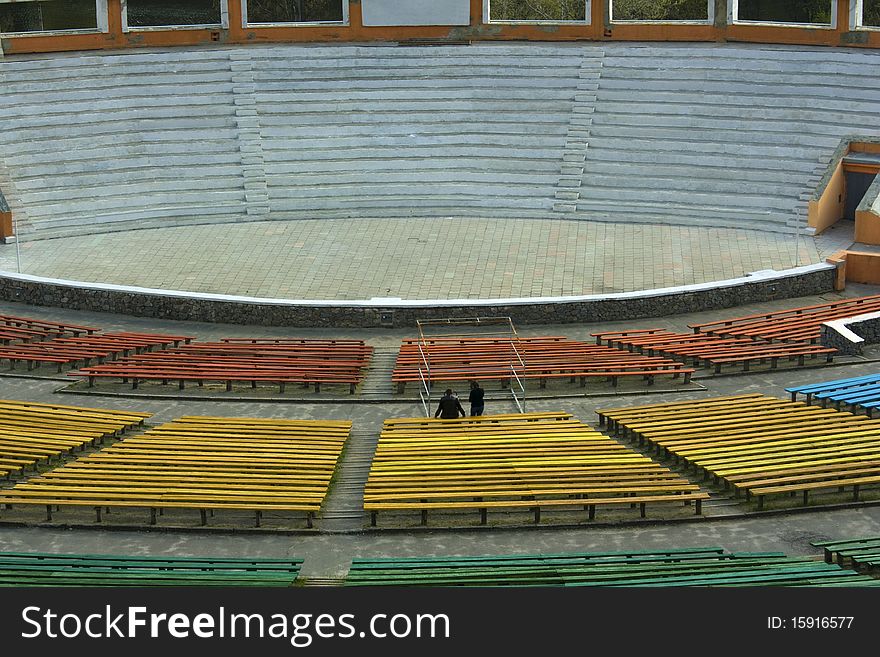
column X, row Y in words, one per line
column 849, row 335
column 140, row 302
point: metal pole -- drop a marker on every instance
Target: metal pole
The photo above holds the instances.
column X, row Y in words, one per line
column 17, row 241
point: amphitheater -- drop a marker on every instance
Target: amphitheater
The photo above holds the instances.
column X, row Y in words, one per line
column 320, row 201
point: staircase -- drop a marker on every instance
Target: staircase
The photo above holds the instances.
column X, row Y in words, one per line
column 343, row 508
column 377, row 385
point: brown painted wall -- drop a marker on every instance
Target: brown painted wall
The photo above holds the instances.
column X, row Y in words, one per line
column 829, row 208
column 867, row 227
column 5, row 224
column 863, row 267
column 355, row 32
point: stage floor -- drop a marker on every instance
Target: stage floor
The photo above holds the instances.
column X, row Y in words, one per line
column 414, row 259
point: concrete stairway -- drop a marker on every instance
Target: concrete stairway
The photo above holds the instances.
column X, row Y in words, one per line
column 112, row 142
column 416, row 131
column 721, row 135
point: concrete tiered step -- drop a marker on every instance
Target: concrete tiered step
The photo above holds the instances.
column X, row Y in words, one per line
column 364, row 131
column 721, row 135
column 343, row 508
column 377, row 383
column 110, row 142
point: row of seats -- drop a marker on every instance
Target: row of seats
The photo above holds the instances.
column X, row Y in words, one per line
column 794, row 324
column 199, row 463
column 310, row 362
column 701, row 566
column 513, row 462
column 542, row 358
column 27, row 329
column 856, row 392
column 33, row 433
column 57, row 570
column 697, row 566
column 62, row 351
column 760, row 445
column 711, row 350
column 861, row 553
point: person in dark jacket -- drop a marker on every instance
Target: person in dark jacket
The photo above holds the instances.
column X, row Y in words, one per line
column 476, row 399
column 450, row 407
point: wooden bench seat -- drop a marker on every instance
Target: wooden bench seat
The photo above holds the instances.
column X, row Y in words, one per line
column 588, row 504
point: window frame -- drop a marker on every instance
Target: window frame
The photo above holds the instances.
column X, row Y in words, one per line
column 710, row 17
column 487, row 17
column 733, row 19
column 102, row 24
column 857, row 17
column 250, row 26
column 223, row 24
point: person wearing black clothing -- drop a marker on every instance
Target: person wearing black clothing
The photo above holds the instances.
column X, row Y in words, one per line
column 449, row 407
column 476, row 399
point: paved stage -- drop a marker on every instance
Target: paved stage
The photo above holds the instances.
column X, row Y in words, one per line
column 415, row 259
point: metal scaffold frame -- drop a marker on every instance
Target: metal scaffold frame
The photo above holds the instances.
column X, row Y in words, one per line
column 507, row 330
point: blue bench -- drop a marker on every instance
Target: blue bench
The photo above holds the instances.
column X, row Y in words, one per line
column 832, row 386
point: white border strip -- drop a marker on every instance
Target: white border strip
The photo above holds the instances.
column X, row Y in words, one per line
column 841, row 326
column 764, row 276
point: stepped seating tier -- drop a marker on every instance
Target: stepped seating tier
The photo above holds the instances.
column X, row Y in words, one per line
column 201, row 463
column 734, row 137
column 794, row 324
column 32, row 433
column 728, row 137
column 861, row 553
column 57, row 570
column 310, row 362
column 714, row 351
column 760, row 445
column 542, row 358
column 708, row 566
column 507, row 462
column 84, row 348
column 856, row 392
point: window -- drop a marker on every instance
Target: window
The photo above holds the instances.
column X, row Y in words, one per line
column 167, row 13
column 868, row 13
column 821, row 13
column 51, row 16
column 538, row 11
column 258, row 12
column 663, row 11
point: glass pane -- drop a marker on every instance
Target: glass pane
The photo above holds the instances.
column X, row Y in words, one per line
column 786, row 11
column 556, row 11
column 871, row 13
column 48, row 16
column 151, row 13
column 660, row 11
column 294, row 11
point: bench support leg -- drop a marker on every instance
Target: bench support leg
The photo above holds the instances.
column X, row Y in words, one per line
column 258, row 515
column 97, row 514
column 856, row 493
column 424, row 517
column 204, row 516
column 229, row 386
column 310, row 517
column 699, row 507
column 537, row 515
column 592, row 512
column 152, row 515
column 806, row 497
column 373, row 518
column 48, row 512
column 642, row 506
column 483, row 516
